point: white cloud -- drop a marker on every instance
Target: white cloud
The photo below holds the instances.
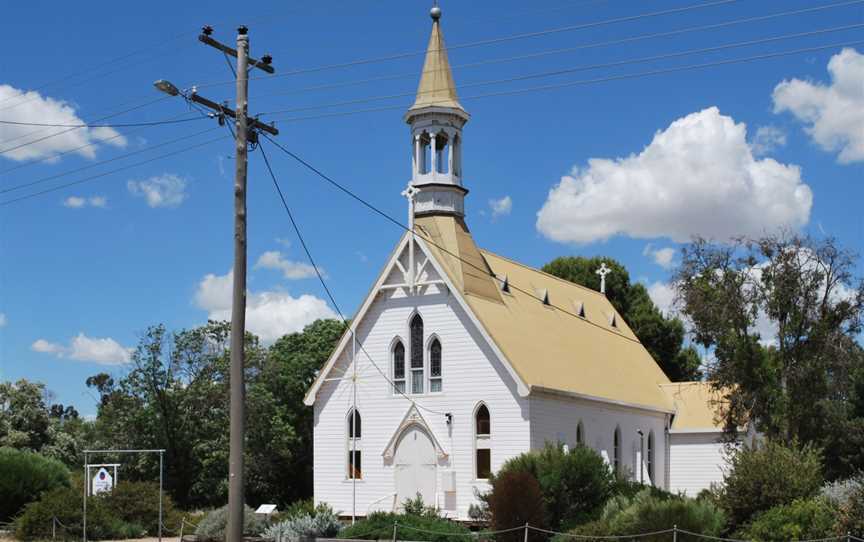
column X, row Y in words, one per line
column 166, row 190
column 104, row 351
column 663, row 295
column 269, row 314
column 501, row 207
column 697, row 177
column 30, row 106
column 291, row 270
column 3, row 319
column 77, row 202
column 767, row 139
column 833, row 114
column 661, row 256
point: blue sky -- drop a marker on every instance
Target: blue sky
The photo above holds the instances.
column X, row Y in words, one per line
column 646, row 161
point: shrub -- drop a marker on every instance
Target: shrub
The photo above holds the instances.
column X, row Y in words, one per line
column 379, row 526
column 64, row 503
column 803, row 519
column 515, row 500
column 574, row 484
column 847, row 497
column 650, row 511
column 24, row 476
column 760, row 478
column 138, row 503
column 213, row 526
column 323, row 523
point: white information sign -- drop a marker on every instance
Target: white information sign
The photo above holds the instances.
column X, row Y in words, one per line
column 103, row 481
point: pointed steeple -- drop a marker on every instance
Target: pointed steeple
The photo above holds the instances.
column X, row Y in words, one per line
column 436, row 88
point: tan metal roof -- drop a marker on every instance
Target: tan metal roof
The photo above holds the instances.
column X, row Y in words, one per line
column 695, row 406
column 548, row 348
column 436, row 82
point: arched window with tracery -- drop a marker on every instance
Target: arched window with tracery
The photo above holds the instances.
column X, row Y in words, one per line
column 580, row 434
column 416, row 354
column 398, row 363
column 482, row 442
column 616, row 450
column 650, row 457
column 435, row 378
column 354, row 433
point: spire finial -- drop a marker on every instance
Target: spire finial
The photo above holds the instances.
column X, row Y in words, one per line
column 435, row 12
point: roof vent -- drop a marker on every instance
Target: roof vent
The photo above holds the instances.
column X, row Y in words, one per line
column 543, row 295
column 580, row 308
column 614, row 321
column 505, row 285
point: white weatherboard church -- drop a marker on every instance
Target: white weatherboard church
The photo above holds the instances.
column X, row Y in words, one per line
column 460, row 359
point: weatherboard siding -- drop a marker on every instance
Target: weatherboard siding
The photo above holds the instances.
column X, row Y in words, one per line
column 697, row 461
column 471, row 374
column 555, row 418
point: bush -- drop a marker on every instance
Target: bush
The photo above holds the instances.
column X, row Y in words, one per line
column 213, row 526
column 138, row 503
column 847, row 496
column 24, row 476
column 651, row 511
column 803, row 519
column 379, row 526
column 64, row 503
column 515, row 500
column 322, row 523
column 766, row 476
column 574, row 484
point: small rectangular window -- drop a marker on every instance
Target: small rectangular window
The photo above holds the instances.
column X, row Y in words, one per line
column 417, row 381
column 484, row 463
column 355, row 467
column 434, row 384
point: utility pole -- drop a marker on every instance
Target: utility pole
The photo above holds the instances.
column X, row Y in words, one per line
column 245, row 130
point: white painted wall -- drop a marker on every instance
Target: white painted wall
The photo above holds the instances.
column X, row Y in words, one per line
column 470, row 374
column 555, row 418
column 697, row 460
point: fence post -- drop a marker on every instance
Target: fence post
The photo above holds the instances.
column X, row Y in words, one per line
column 526, row 531
column 182, row 524
column 675, row 533
column 54, row 527
column 395, row 523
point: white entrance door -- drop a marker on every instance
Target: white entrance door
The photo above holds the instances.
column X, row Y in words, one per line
column 415, row 466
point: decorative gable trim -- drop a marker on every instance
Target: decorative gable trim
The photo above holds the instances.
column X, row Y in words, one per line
column 412, row 417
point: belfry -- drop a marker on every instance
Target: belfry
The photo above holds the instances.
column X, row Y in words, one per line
column 436, row 120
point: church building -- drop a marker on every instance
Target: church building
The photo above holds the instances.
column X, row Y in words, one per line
column 459, row 359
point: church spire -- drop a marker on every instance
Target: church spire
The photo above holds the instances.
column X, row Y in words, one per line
column 436, row 86
column 436, row 120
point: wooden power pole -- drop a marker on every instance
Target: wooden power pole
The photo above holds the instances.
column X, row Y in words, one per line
column 245, row 129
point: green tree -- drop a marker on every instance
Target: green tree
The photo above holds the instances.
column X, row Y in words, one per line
column 662, row 336
column 782, row 315
column 24, row 475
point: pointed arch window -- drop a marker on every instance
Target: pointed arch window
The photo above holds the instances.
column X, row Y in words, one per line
column 399, row 367
column 417, row 354
column 616, row 450
column 435, row 378
column 354, row 427
column 580, row 434
column 650, row 457
column 482, row 443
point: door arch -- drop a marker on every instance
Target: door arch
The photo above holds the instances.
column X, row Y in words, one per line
column 415, row 464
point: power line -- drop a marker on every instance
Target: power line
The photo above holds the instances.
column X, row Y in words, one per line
column 594, row 45
column 124, row 168
column 568, row 84
column 103, row 162
column 120, row 125
column 563, row 71
column 433, row 243
column 320, row 276
column 494, row 41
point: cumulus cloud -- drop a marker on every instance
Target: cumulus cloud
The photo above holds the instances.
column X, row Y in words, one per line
column 31, row 106
column 697, row 177
column 291, row 270
column 833, row 114
column 166, row 190
column 767, row 139
column 661, row 256
column 501, row 207
column 78, row 202
column 269, row 314
column 663, row 295
column 104, row 351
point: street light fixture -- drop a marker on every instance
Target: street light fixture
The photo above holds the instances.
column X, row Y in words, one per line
column 167, row 87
